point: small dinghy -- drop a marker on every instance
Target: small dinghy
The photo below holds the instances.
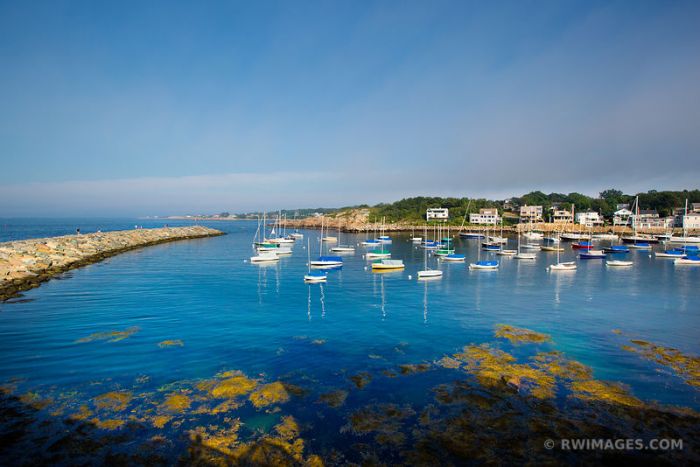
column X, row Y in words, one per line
column 567, row 266
column 619, row 264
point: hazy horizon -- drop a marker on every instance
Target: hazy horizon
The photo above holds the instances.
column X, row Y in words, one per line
column 169, row 108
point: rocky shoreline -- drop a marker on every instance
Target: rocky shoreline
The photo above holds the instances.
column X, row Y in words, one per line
column 25, row 264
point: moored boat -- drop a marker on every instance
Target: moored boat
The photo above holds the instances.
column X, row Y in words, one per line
column 566, row 266
column 592, row 254
column 582, row 245
column 265, row 258
column 453, row 258
column 618, row 263
column 387, row 264
column 688, row 261
column 484, row 265
column 507, row 252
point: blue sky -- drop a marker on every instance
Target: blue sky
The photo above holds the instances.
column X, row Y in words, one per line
column 138, row 108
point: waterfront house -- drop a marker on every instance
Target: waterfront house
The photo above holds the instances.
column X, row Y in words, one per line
column 649, row 218
column 530, row 213
column 695, row 207
column 689, row 221
column 622, row 216
column 560, row 216
column 589, row 218
column 437, row 213
column 487, row 216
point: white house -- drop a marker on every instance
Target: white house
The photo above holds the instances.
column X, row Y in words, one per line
column 530, row 213
column 649, row 218
column 560, row 216
column 589, row 219
column 488, row 216
column 437, row 213
column 691, row 221
column 622, row 216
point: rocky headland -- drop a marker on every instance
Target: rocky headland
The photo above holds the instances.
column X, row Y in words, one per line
column 25, row 264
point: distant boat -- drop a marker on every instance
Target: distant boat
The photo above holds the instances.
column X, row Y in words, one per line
column 689, row 261
column 592, row 254
column 640, row 238
column 471, row 235
column 534, row 235
column 551, row 248
column 492, row 247
column 573, row 236
column 685, row 238
column 670, row 254
column 616, row 249
column 604, row 237
column 313, row 276
column 326, row 262
column 507, row 252
column 532, row 246
column 521, row 255
column 618, row 263
column 640, row 246
column 387, row 264
column 483, row 264
column 427, row 272
column 566, row 266
column 453, row 258
column 342, row 248
column 377, row 254
column 637, row 237
column 265, row 258
column 582, row 245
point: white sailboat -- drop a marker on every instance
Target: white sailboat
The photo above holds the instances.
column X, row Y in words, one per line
column 326, row 262
column 619, row 263
column 521, row 255
column 342, row 248
column 313, row 276
column 566, row 266
column 685, row 238
column 483, row 265
column 427, row 272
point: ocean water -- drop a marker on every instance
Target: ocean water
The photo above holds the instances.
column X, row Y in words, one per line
column 264, row 321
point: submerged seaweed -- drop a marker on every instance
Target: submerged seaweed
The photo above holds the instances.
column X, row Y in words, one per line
column 685, row 366
column 520, row 335
column 109, row 336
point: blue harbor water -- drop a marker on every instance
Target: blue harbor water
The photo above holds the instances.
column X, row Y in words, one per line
column 264, row 321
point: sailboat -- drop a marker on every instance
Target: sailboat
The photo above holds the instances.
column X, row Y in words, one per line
column 685, row 238
column 483, row 265
column 521, row 255
column 342, row 248
column 468, row 233
column 554, row 244
column 619, row 263
column 326, row 261
column 296, row 235
column 372, row 242
column 311, row 275
column 565, row 266
column 445, row 246
column 637, row 238
column 427, row 272
column 415, row 239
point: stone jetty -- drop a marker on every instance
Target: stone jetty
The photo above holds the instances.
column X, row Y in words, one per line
column 24, row 264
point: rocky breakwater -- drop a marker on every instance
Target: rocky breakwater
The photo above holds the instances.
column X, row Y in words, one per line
column 24, row 264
